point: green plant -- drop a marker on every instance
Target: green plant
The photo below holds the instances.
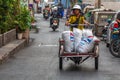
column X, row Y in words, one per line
column 32, row 19
column 14, row 15
column 8, row 10
column 23, row 19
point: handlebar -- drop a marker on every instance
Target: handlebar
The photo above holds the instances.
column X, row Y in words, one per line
column 86, row 26
column 82, row 25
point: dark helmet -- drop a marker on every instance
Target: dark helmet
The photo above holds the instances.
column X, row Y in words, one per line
column 109, row 21
column 118, row 15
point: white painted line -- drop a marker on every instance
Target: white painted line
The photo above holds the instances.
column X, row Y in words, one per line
column 47, row 45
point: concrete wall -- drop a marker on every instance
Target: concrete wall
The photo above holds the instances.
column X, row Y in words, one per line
column 1, row 43
column 112, row 5
column 9, row 36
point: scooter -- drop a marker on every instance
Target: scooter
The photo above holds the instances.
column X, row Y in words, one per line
column 46, row 14
column 115, row 43
column 55, row 24
column 104, row 32
column 67, row 16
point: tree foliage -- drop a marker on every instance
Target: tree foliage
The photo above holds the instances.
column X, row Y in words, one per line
column 13, row 14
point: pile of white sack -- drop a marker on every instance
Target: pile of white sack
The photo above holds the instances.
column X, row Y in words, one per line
column 81, row 41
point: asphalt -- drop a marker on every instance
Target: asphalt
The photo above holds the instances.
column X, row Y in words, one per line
column 39, row 61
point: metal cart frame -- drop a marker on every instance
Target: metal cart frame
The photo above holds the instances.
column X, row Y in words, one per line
column 62, row 54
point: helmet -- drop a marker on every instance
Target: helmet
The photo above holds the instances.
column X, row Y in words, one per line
column 77, row 7
column 109, row 21
column 55, row 8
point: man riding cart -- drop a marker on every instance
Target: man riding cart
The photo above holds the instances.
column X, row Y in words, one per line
column 78, row 44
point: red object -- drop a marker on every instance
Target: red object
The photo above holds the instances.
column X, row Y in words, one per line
column 116, row 25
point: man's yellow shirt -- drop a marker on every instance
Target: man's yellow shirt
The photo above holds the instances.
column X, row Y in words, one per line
column 73, row 19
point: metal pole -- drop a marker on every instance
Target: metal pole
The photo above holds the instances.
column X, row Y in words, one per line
column 97, row 3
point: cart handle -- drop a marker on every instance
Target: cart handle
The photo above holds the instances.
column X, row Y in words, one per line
column 97, row 42
column 81, row 24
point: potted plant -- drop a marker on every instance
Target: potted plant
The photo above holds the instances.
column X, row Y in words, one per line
column 24, row 22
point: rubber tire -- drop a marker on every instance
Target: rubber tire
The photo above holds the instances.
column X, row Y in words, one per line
column 96, row 63
column 46, row 18
column 60, row 63
column 53, row 28
column 107, row 45
column 110, row 46
column 59, row 48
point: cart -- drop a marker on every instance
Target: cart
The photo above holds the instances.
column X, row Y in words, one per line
column 62, row 54
column 81, row 56
column 100, row 18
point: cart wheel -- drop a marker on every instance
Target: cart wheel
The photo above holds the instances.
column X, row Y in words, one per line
column 60, row 63
column 96, row 63
column 96, row 57
column 59, row 47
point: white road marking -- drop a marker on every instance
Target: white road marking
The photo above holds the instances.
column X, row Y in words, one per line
column 47, row 45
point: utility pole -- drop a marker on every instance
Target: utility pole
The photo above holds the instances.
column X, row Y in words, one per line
column 97, row 3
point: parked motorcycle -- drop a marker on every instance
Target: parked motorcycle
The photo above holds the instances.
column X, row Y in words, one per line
column 55, row 23
column 105, row 30
column 115, row 44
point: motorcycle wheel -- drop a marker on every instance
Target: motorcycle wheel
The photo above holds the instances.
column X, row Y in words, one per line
column 107, row 44
column 53, row 28
column 115, row 47
column 46, row 18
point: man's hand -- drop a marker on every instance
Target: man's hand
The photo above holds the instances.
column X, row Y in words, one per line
column 67, row 23
column 95, row 24
column 86, row 22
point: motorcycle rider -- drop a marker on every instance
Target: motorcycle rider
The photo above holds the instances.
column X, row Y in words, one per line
column 48, row 9
column 54, row 14
column 76, row 18
column 118, row 19
column 60, row 9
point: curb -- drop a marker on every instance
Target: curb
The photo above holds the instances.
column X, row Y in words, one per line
column 10, row 49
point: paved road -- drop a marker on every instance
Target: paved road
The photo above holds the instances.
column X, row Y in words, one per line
column 39, row 61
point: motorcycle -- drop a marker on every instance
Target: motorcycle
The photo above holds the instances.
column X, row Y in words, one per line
column 46, row 14
column 55, row 24
column 104, row 32
column 114, row 47
column 67, row 16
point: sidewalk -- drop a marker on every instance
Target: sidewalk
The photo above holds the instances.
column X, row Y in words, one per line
column 10, row 45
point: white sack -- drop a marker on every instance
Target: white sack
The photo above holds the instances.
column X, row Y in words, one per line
column 87, row 33
column 68, row 37
column 86, row 44
column 77, row 36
